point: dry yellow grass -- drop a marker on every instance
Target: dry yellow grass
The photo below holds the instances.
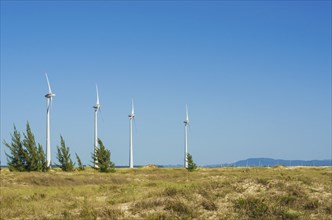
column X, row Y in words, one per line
column 165, row 193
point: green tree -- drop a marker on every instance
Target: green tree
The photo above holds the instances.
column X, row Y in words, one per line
column 79, row 162
column 24, row 154
column 191, row 165
column 16, row 158
column 103, row 158
column 31, row 153
column 63, row 156
column 42, row 162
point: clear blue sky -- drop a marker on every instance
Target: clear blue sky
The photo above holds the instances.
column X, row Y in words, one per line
column 256, row 76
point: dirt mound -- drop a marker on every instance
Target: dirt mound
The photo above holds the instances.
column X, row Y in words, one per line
column 150, row 166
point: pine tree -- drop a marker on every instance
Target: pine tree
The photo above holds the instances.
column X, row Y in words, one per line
column 103, row 158
column 63, row 156
column 191, row 165
column 31, row 153
column 24, row 154
column 79, row 162
column 16, row 159
column 42, row 163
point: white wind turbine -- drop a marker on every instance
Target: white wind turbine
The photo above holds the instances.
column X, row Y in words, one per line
column 96, row 108
column 49, row 96
column 186, row 124
column 131, row 118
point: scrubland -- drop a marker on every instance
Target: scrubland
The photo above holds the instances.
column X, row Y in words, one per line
column 169, row 193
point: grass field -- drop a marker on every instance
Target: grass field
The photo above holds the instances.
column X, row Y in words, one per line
column 169, row 193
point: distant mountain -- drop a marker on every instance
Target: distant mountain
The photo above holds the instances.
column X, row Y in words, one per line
column 268, row 162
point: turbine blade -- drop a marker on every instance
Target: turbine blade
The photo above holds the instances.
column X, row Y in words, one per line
column 51, row 101
column 97, row 103
column 101, row 115
column 48, row 83
column 132, row 106
column 134, row 121
column 187, row 115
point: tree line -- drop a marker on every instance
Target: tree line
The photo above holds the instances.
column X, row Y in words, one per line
column 26, row 155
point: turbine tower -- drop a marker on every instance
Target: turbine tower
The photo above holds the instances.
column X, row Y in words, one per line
column 96, row 108
column 131, row 118
column 186, row 124
column 48, row 96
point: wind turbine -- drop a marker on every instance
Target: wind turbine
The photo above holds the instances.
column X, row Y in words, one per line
column 48, row 96
column 186, row 124
column 131, row 118
column 96, row 108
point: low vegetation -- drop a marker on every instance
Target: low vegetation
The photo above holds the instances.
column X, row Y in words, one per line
column 168, row 193
column 79, row 163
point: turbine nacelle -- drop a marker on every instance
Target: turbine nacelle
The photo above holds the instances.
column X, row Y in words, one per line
column 96, row 107
column 132, row 114
column 49, row 95
column 186, row 121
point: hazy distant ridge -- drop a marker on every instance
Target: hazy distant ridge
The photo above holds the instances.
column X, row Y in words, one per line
column 275, row 162
column 265, row 162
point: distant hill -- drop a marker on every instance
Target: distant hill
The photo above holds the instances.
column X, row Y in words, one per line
column 268, row 162
column 250, row 162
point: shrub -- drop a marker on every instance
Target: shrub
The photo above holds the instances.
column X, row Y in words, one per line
column 142, row 205
column 79, row 162
column 170, row 191
column 111, row 213
column 181, row 209
column 262, row 181
column 287, row 200
column 328, row 209
column 209, row 205
column 253, row 207
column 66, row 215
column 159, row 215
column 87, row 212
column 289, row 214
column 311, row 204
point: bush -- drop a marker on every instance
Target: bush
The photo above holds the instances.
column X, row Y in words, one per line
column 289, row 214
column 170, row 191
column 311, row 204
column 79, row 162
column 253, row 207
column 111, row 213
column 209, row 205
column 159, row 215
column 181, row 209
